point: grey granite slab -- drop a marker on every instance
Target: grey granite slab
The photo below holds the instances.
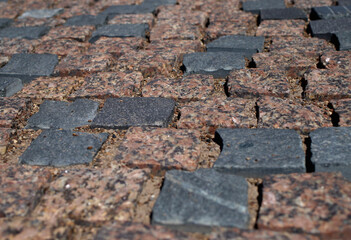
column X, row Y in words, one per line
column 42, row 13
column 330, row 12
column 256, row 6
column 122, row 113
column 204, row 198
column 5, row 22
column 282, row 13
column 86, row 20
column 9, row 86
column 59, row 148
column 342, row 40
column 259, row 152
column 344, row 2
column 236, row 43
column 159, row 2
column 326, row 27
column 24, row 32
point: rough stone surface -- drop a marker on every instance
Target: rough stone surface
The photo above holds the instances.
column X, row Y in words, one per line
column 128, row 9
column 61, row 47
column 337, row 60
column 309, row 203
column 326, row 27
column 331, row 12
column 308, row 4
column 78, row 33
column 168, row 30
column 236, row 43
column 10, row 46
column 256, row 6
column 42, row 13
column 63, row 148
column 29, row 66
column 85, row 20
column 5, row 22
column 282, row 13
column 122, row 113
column 343, row 110
column 5, row 134
column 147, row 18
column 9, row 86
column 259, row 152
column 24, row 32
column 342, row 40
column 331, row 150
column 120, row 30
column 116, row 46
column 9, row 110
column 202, row 198
column 270, row 28
column 344, row 2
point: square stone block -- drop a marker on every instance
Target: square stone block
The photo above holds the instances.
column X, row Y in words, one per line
column 236, row 43
column 326, row 27
column 24, row 32
column 257, row 6
column 270, row 28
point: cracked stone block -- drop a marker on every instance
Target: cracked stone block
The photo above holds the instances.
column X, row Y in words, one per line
column 29, row 66
column 270, row 28
column 343, row 109
column 86, row 20
column 342, row 40
column 202, row 198
column 5, row 134
column 122, row 113
column 5, row 22
column 330, row 12
column 236, row 43
column 259, row 152
column 169, row 30
column 337, row 60
column 160, row 149
column 291, row 114
column 218, row 64
column 314, row 203
column 63, row 148
column 189, row 88
column 61, row 47
column 256, row 6
column 21, row 189
column 109, row 84
column 326, row 84
column 63, row 115
column 282, row 13
column 24, row 32
column 326, row 27
column 10, row 109
column 9, row 86
column 41, row 13
column 331, row 150
column 120, row 30
column 78, row 33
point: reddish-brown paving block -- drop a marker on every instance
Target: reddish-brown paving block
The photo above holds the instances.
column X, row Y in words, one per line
column 318, row 203
column 61, row 47
column 269, row 28
column 92, row 196
column 181, row 46
column 109, row 84
column 5, row 134
column 77, row 65
column 77, row 8
column 166, row 30
column 210, row 6
column 102, row 4
column 55, row 88
column 12, row 46
column 337, row 60
column 9, row 10
column 160, row 149
column 213, row 113
column 116, row 46
column 133, row 19
column 291, row 114
column 79, row 33
column 189, row 88
column 31, row 22
column 307, row 4
column 10, row 108
column 325, row 84
column 21, row 189
column 218, row 29
column 343, row 109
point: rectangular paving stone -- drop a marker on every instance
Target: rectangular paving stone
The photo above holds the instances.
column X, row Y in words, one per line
column 315, row 203
column 122, row 113
column 11, row 46
column 342, row 40
column 181, row 46
column 29, row 66
column 24, row 32
column 291, row 114
column 10, row 108
column 331, row 150
column 86, row 20
column 202, row 198
column 160, row 149
column 257, row 6
column 120, row 30
column 282, row 13
column 236, row 43
column 116, row 46
column 21, row 189
column 59, row 148
column 330, row 12
column 189, row 88
column 218, row 64
column 37, row 22
column 128, row 9
column 270, row 28
column 61, row 47
column 78, row 33
column 168, row 30
column 63, row 115
column 326, row 27
column 258, row 152
column 308, row 4
column 147, row 18
column 218, row 29
column 9, row 86
column 42, row 13
column 336, row 60
column 5, row 134
column 343, row 108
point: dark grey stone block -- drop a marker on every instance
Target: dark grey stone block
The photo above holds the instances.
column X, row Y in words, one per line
column 29, row 66
column 344, row 2
column 325, row 28
column 256, row 6
column 56, row 114
column 63, row 148
column 24, row 32
column 283, row 13
column 42, row 13
column 236, row 43
column 159, row 2
column 204, row 198
column 218, row 64
column 342, row 40
column 258, row 152
column 122, row 113
column 86, row 20
column 9, row 86
column 331, row 150
column 5, row 22
column 330, row 12
column 120, row 30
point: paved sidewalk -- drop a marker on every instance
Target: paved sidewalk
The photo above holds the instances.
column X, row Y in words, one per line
column 175, row 119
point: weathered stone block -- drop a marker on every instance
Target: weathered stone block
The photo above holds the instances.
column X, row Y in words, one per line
column 282, row 13
column 236, row 43
column 342, row 40
column 9, row 86
column 256, row 6
column 84, row 20
column 24, row 32
column 330, row 12
column 42, row 13
column 326, row 27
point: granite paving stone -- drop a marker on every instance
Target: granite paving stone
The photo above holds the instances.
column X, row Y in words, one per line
column 109, row 84
column 344, row 2
column 63, row 115
column 343, row 109
column 10, row 46
column 168, row 30
column 61, row 47
column 10, row 109
column 309, row 202
column 37, row 22
column 337, row 60
column 269, row 28
column 160, row 149
column 5, row 22
column 5, row 134
column 257, row 6
column 331, row 150
column 213, row 113
column 259, row 152
column 21, row 189
column 193, row 87
column 116, row 46
column 236, row 43
column 160, row 2
column 128, row 9
column 308, row 4
column 342, row 40
column 218, row 29
column 78, row 8
column 146, row 18
column 282, row 13
column 326, row 27
column 79, row 33
column 42, row 13
column 202, row 198
column 24, row 32
column 291, row 114
column 86, row 20
column 122, row 113
column 9, row 86
column 59, row 148
column 9, row 11
column 230, row 14
column 330, row 12
column 181, row 46
column 4, row 60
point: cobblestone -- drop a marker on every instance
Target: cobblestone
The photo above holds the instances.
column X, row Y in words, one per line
column 10, row 109
column 343, row 110
column 336, row 60
column 269, row 28
column 24, row 32
column 9, row 86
